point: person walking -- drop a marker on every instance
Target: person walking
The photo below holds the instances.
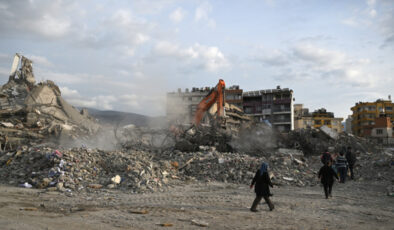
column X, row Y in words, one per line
column 326, row 176
column 351, row 160
column 341, row 165
column 262, row 181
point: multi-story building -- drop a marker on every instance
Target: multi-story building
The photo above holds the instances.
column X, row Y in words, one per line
column 182, row 105
column 382, row 130
column 302, row 117
column 365, row 113
column 322, row 117
column 272, row 105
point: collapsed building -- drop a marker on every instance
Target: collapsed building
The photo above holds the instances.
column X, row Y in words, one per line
column 36, row 112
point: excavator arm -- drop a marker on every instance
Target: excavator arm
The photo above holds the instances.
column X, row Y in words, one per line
column 215, row 95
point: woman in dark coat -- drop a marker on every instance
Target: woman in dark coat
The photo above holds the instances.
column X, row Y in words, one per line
column 327, row 175
column 261, row 181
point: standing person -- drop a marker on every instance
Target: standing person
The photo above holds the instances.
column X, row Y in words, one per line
column 262, row 181
column 326, row 176
column 341, row 165
column 351, row 160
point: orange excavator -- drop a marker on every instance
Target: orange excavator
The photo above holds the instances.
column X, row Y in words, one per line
column 215, row 95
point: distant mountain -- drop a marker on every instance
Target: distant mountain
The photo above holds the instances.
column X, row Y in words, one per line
column 124, row 118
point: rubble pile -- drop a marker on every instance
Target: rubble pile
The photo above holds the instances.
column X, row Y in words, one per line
column 208, row 164
column 376, row 166
column 255, row 139
column 143, row 138
column 191, row 139
column 33, row 113
column 81, row 169
column 317, row 141
column 84, row 169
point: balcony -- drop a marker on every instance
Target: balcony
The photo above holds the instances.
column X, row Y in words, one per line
column 282, row 101
column 266, row 111
column 282, row 111
column 282, row 121
column 251, row 103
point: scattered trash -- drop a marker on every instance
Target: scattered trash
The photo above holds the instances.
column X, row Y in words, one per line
column 138, row 212
column 116, row 179
column 166, row 224
column 28, row 209
column 200, row 223
column 95, row 186
column 26, row 185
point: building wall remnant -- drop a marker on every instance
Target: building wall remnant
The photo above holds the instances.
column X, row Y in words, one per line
column 348, row 127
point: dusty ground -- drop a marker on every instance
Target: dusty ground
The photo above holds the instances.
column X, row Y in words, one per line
column 355, row 205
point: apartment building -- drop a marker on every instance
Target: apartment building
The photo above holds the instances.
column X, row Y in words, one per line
column 322, row 117
column 303, row 119
column 365, row 113
column 382, row 130
column 271, row 105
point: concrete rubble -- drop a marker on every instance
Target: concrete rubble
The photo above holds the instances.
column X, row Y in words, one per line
column 84, row 169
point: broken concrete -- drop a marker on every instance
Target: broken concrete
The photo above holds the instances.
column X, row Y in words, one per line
column 27, row 107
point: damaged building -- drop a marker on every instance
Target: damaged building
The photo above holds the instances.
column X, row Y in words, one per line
column 37, row 111
column 274, row 106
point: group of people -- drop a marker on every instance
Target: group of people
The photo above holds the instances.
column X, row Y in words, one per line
column 341, row 163
column 333, row 165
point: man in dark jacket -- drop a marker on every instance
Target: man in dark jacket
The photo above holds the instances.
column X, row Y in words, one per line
column 261, row 181
column 326, row 176
column 351, row 160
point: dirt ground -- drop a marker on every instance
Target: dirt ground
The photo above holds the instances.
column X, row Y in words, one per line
column 354, row 205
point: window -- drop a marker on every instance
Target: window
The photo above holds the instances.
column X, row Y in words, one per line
column 248, row 110
column 327, row 122
column 258, row 109
column 389, row 108
column 379, row 131
column 317, row 122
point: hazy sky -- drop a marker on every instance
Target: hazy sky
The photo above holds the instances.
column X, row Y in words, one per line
column 125, row 55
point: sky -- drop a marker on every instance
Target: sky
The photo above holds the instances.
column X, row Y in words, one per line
column 126, row 55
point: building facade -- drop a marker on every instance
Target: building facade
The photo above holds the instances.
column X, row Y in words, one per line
column 365, row 113
column 302, row 117
column 382, row 130
column 182, row 105
column 272, row 105
column 322, row 117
